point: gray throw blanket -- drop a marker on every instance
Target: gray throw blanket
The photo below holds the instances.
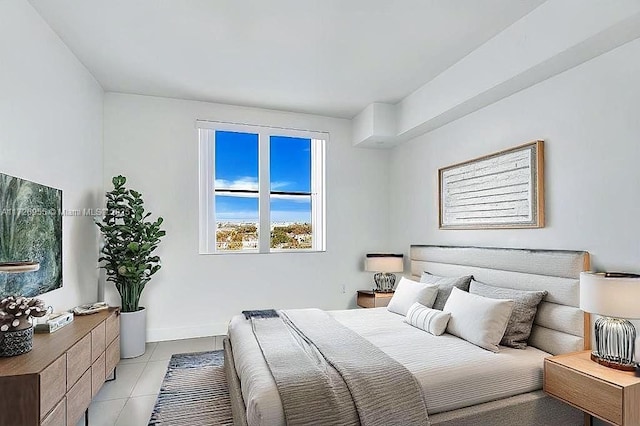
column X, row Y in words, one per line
column 327, row 374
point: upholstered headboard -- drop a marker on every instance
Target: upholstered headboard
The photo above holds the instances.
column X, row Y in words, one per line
column 559, row 325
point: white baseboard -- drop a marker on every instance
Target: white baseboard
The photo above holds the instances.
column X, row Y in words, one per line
column 177, row 333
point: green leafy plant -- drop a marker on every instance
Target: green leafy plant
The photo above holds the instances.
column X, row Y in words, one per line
column 129, row 241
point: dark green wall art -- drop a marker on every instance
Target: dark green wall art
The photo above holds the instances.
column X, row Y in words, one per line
column 30, row 229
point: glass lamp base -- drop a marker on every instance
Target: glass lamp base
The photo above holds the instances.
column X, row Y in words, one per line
column 384, row 282
column 615, row 343
column 613, row 364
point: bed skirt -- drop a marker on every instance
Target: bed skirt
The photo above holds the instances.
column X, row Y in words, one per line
column 533, row 408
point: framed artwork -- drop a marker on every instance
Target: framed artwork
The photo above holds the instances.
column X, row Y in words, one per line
column 501, row 190
column 30, row 230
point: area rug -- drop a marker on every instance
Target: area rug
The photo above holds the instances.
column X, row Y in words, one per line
column 194, row 392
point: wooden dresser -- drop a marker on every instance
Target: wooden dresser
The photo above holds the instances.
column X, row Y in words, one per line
column 54, row 383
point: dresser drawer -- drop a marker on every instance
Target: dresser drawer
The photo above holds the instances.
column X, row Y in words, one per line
column 79, row 398
column 58, row 417
column 97, row 374
column 78, row 360
column 113, row 356
column 112, row 327
column 97, row 341
column 53, row 384
column 597, row 397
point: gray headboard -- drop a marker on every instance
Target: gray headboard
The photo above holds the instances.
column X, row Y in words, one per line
column 559, row 325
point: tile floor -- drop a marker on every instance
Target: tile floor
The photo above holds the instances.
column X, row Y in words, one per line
column 128, row 401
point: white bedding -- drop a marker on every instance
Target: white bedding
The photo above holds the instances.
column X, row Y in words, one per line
column 452, row 372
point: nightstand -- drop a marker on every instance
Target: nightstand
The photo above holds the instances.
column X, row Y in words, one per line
column 611, row 395
column 373, row 299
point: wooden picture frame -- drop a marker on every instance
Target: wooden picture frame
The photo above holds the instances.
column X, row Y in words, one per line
column 500, row 190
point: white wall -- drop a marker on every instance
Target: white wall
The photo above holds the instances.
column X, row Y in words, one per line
column 154, row 143
column 51, row 133
column 588, row 117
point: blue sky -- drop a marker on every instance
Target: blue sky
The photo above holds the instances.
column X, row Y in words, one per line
column 237, row 168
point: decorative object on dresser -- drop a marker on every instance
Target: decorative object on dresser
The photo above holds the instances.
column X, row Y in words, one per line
column 384, row 264
column 501, row 190
column 615, row 296
column 611, row 395
column 16, row 331
column 127, row 256
column 54, row 322
column 373, row 299
column 31, row 228
column 90, row 308
column 55, row 382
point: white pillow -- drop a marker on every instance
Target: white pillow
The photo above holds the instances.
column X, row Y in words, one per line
column 479, row 320
column 409, row 292
column 430, row 320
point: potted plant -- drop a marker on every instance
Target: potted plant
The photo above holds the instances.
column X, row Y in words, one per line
column 130, row 238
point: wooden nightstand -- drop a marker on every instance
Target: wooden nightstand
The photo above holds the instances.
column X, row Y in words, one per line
column 373, row 299
column 611, row 395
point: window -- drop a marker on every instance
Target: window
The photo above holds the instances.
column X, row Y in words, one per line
column 261, row 189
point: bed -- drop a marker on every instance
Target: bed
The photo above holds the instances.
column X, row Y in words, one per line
column 479, row 387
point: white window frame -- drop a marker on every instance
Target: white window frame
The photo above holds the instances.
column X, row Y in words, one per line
column 207, row 225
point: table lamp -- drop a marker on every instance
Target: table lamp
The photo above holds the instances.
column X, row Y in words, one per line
column 616, row 297
column 384, row 264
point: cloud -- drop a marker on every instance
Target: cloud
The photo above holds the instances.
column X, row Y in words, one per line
column 248, row 183
column 245, row 183
column 279, row 185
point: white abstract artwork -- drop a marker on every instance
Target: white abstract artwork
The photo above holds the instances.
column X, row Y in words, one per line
column 501, row 190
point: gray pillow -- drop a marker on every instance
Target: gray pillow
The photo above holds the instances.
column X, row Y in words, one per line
column 445, row 284
column 524, row 311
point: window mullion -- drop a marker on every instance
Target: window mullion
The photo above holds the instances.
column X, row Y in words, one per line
column 264, row 183
column 317, row 194
column 207, row 201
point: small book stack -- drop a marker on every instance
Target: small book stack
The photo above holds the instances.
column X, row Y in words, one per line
column 54, row 323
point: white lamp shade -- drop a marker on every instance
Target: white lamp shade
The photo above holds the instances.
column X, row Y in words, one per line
column 384, row 263
column 611, row 296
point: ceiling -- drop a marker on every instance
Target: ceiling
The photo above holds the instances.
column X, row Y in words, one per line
column 328, row 57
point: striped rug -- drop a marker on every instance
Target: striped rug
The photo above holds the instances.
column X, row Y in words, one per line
column 194, row 392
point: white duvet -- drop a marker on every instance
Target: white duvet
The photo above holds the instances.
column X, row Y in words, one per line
column 452, row 372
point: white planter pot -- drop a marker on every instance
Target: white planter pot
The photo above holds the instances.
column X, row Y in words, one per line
column 133, row 333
